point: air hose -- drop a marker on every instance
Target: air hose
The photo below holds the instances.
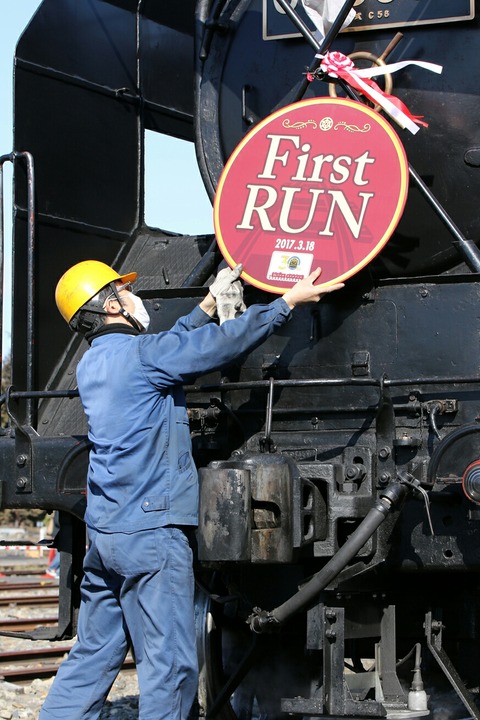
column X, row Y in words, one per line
column 391, row 498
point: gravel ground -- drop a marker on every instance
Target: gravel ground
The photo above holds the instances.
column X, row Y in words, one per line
column 18, row 702
column 23, row 702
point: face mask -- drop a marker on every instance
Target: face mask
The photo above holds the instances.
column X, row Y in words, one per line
column 140, row 313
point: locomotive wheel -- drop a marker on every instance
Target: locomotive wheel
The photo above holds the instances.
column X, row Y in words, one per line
column 244, row 676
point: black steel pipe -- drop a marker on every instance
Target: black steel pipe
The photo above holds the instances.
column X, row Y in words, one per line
column 30, row 339
column 30, row 279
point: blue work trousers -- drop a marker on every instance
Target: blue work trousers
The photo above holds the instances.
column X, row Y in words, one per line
column 137, row 590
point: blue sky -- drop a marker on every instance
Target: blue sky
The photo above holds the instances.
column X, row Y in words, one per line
column 14, row 16
column 165, row 193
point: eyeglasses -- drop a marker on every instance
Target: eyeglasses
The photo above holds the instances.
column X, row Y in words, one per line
column 126, row 286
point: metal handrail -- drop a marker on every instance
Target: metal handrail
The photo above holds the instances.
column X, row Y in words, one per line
column 30, row 338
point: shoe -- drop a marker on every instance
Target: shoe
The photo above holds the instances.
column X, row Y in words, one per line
column 52, row 573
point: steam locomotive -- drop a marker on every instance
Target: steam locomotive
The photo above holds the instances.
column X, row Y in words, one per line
column 338, row 549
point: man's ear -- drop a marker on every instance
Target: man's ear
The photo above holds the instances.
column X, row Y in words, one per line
column 111, row 306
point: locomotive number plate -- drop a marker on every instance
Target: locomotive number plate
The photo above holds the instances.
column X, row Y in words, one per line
column 319, row 183
column 372, row 14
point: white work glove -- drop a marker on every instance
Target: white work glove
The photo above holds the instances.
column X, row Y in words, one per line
column 224, row 279
column 228, row 293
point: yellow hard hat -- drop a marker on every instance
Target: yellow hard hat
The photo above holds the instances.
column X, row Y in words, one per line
column 82, row 282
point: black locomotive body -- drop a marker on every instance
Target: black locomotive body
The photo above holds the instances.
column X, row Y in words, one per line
column 340, row 457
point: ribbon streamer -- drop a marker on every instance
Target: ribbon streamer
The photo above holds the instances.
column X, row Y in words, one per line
column 337, row 65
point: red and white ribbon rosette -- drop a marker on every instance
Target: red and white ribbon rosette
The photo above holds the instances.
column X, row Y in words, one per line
column 337, row 65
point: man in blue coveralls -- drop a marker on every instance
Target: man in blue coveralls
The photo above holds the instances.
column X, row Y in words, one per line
column 142, row 484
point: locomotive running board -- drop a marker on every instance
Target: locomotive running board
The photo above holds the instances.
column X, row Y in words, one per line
column 433, row 633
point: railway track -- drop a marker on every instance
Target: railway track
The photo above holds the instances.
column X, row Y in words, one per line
column 34, row 592
column 23, row 597
column 22, row 667
column 17, row 596
column 24, row 624
column 40, row 584
column 27, row 595
column 31, row 600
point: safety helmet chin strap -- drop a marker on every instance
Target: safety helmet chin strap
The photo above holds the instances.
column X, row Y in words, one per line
column 133, row 321
column 129, row 318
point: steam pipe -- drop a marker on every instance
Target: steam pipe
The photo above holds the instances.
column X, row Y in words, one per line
column 267, row 621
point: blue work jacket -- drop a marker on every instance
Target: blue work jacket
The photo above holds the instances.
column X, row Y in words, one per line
column 141, row 472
